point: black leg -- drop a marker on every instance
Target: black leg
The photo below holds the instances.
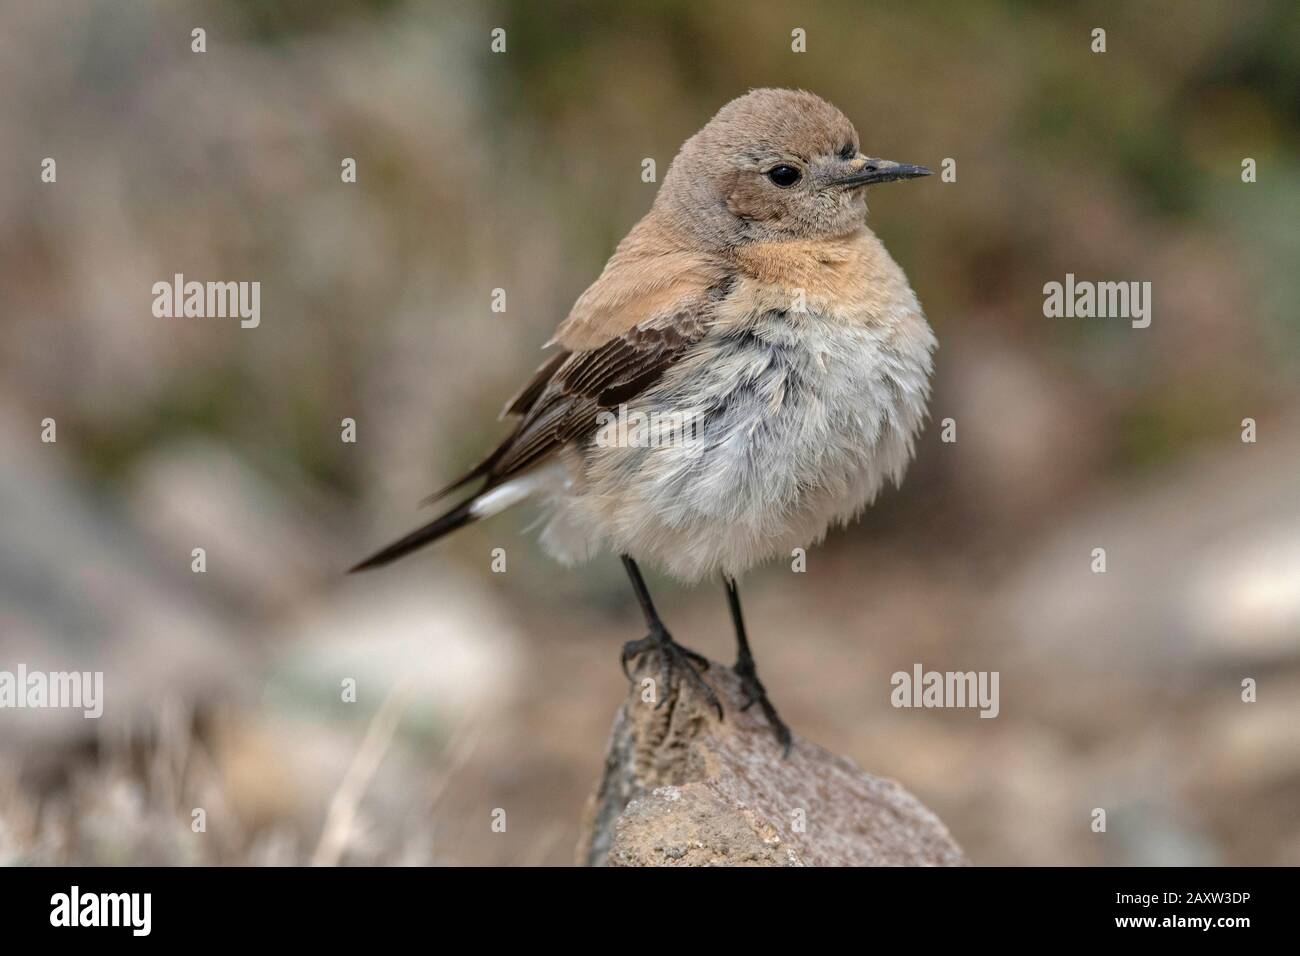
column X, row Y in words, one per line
column 643, row 595
column 745, row 669
column 672, row 656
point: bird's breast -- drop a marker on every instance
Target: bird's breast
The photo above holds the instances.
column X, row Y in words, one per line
column 797, row 411
column 851, row 280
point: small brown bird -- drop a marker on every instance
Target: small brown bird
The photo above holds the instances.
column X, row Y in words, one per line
column 750, row 368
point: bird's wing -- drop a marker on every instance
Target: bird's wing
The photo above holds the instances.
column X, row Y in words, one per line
column 588, row 381
column 562, row 404
column 649, row 277
column 649, row 306
column 526, row 397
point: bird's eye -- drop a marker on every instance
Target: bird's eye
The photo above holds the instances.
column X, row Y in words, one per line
column 848, row 152
column 784, row 176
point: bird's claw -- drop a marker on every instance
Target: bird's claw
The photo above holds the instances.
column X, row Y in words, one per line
column 756, row 693
column 673, row 659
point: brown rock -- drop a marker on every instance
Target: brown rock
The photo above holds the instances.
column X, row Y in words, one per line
column 682, row 788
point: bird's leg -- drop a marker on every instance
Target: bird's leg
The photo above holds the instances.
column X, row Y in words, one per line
column 745, row 669
column 673, row 658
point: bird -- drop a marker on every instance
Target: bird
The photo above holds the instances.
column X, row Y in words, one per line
column 750, row 369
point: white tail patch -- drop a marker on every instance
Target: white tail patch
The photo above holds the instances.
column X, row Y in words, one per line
column 511, row 493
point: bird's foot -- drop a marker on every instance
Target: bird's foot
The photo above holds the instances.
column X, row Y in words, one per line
column 675, row 664
column 756, row 693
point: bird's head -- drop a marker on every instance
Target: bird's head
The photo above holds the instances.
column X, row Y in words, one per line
column 771, row 166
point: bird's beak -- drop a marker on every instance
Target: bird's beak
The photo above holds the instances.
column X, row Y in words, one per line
column 869, row 172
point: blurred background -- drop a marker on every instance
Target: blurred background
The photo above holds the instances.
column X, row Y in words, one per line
column 521, row 170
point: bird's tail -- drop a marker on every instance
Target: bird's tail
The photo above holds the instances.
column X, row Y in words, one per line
column 457, row 517
column 482, row 505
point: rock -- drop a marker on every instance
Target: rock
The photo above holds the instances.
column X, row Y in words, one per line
column 682, row 788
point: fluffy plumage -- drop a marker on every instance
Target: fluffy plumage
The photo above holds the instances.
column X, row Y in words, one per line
column 769, row 318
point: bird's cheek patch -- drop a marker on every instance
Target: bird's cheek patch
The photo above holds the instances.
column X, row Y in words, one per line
column 749, row 198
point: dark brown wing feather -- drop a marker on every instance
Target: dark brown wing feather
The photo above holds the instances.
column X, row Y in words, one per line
column 527, row 396
column 560, row 404
column 520, row 403
column 650, row 305
column 588, row 382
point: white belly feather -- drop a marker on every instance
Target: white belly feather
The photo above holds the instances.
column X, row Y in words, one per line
column 800, row 420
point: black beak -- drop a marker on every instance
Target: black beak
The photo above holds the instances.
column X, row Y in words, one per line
column 881, row 171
